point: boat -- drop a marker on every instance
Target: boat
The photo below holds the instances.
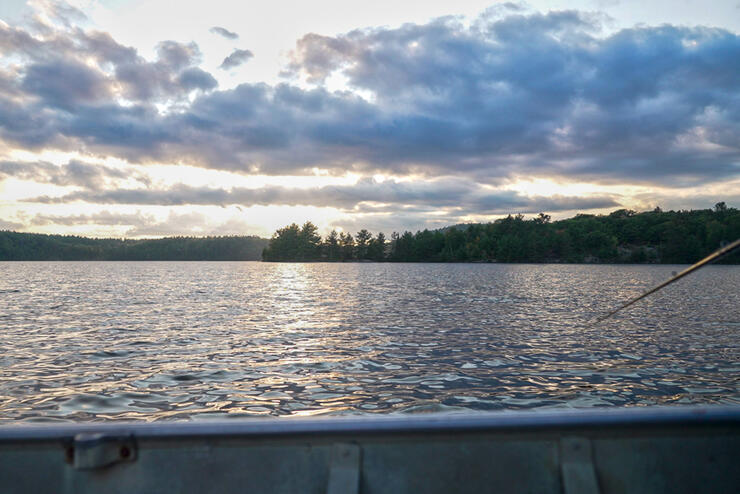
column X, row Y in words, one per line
column 680, row 449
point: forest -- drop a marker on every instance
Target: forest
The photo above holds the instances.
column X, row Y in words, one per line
column 624, row 236
column 16, row 246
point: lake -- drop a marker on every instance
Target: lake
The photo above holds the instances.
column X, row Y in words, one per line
column 103, row 341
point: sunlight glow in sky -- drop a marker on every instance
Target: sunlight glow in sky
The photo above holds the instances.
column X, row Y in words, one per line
column 139, row 118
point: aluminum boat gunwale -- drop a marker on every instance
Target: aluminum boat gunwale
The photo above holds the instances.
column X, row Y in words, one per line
column 503, row 421
column 679, row 449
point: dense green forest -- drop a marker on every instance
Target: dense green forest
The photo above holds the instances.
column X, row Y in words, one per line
column 623, row 236
column 37, row 247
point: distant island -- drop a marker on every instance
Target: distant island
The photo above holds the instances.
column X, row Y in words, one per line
column 624, row 236
column 16, row 246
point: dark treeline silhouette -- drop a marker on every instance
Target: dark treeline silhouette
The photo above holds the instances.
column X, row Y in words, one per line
column 16, row 246
column 623, row 236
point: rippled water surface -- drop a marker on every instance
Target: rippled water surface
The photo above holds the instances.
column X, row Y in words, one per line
column 175, row 340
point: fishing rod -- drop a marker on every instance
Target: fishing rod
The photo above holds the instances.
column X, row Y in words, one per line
column 714, row 256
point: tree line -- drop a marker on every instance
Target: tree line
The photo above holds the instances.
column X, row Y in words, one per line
column 623, row 236
column 15, row 246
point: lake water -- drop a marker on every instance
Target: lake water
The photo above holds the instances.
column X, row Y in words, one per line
column 176, row 340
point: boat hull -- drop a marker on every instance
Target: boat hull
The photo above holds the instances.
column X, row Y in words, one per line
column 609, row 451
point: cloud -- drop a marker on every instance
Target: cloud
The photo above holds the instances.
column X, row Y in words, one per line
column 193, row 223
column 700, row 200
column 398, row 221
column 237, row 57
column 90, row 176
column 173, row 75
column 10, row 225
column 65, row 84
column 100, row 218
column 177, row 55
column 195, row 78
column 71, row 69
column 50, row 12
column 460, row 196
column 141, row 224
column 510, row 94
column 224, row 32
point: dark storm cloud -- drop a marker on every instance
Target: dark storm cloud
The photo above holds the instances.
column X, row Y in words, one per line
column 511, row 94
column 237, row 58
column 365, row 196
column 221, row 31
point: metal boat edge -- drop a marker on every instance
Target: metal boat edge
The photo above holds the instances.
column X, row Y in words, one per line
column 679, row 449
column 499, row 421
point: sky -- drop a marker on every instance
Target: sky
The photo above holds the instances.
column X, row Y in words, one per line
column 147, row 118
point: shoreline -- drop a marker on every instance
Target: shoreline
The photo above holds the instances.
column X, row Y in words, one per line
column 544, row 263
